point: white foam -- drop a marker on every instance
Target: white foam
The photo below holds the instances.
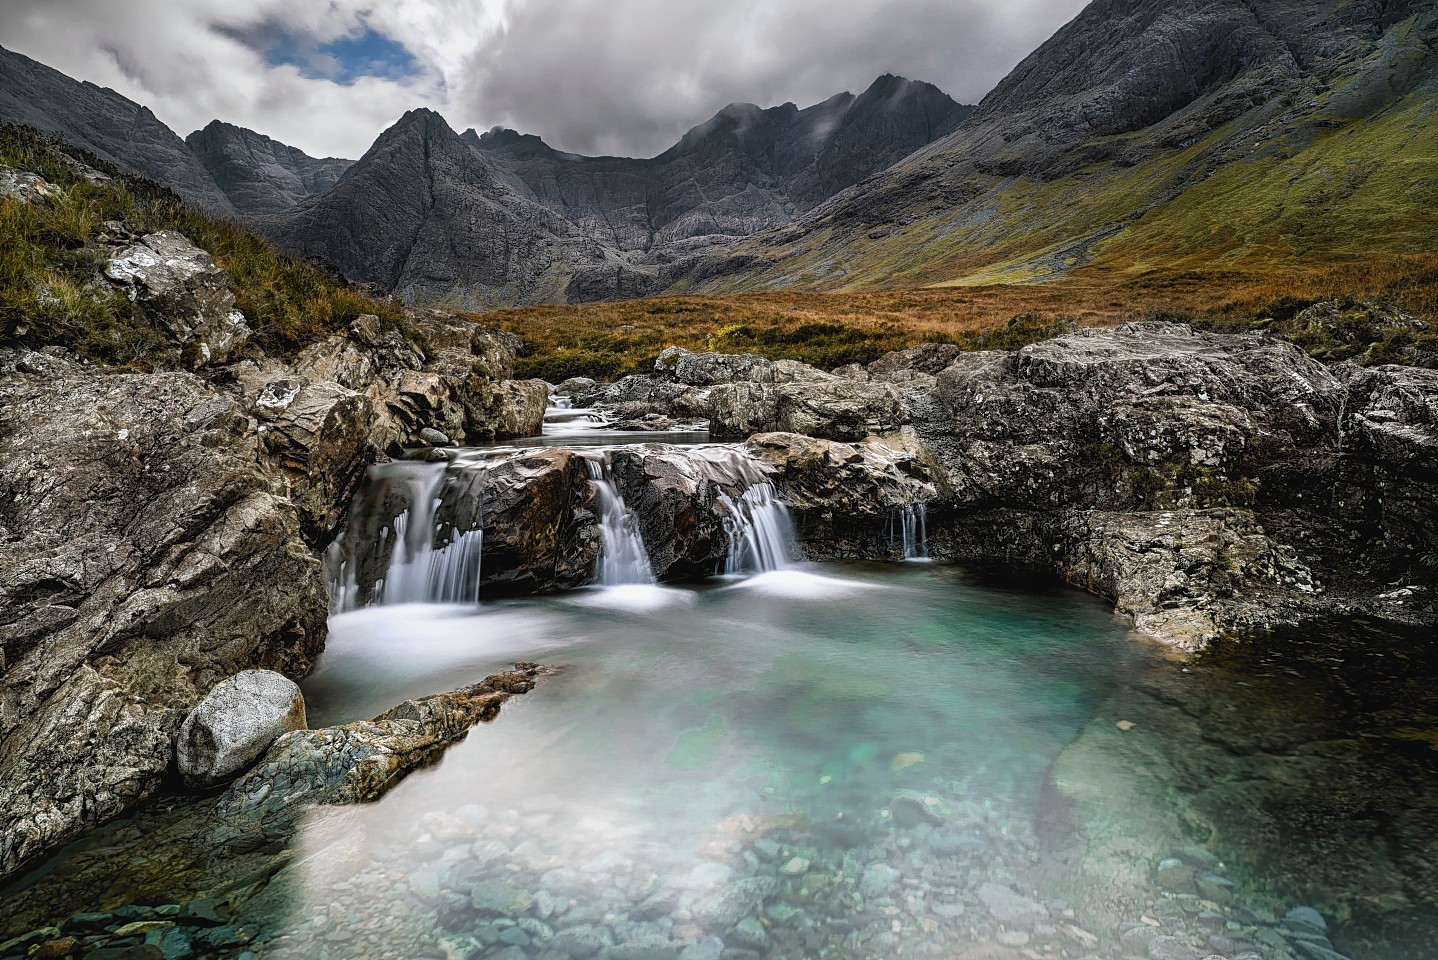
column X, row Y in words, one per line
column 633, row 597
column 799, row 584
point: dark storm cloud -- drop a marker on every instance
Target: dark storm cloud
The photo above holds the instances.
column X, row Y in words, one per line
column 610, row 76
column 630, row 76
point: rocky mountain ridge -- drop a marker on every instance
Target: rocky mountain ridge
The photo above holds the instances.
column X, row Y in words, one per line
column 509, row 220
column 1147, row 134
column 106, row 124
column 260, row 175
column 745, row 169
column 505, row 219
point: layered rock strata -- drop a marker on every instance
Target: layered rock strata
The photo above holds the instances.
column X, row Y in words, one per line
column 162, row 532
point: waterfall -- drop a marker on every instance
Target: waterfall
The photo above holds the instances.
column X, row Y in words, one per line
column 914, row 522
column 624, row 559
column 761, row 534
column 417, row 571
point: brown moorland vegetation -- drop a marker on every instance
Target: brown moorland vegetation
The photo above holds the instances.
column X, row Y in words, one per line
column 1378, row 311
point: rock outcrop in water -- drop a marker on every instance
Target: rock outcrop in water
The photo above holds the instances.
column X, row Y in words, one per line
column 163, row 532
column 1204, row 483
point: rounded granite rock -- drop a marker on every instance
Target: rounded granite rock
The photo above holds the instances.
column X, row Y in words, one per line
column 235, row 723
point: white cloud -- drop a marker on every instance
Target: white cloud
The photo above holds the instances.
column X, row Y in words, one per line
column 614, row 76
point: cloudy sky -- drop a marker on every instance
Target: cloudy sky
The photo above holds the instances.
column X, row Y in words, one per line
column 624, row 77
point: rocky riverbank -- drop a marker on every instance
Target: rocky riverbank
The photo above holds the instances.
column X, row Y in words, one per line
column 1206, row 484
column 162, row 530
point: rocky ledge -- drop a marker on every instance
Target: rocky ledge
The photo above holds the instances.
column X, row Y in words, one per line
column 1206, row 484
column 161, row 531
column 306, row 779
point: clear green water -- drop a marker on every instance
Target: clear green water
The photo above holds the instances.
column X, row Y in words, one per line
column 838, row 761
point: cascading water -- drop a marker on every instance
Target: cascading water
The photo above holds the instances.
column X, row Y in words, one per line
column 417, row 571
column 761, row 534
column 624, row 559
column 913, row 528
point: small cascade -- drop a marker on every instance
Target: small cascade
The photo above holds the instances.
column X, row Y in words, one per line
column 417, row 571
column 624, row 559
column 570, row 419
column 914, row 527
column 761, row 533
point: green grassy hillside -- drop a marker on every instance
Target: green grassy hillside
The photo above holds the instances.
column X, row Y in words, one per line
column 51, row 287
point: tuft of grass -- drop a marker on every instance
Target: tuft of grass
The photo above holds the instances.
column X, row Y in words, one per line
column 51, row 285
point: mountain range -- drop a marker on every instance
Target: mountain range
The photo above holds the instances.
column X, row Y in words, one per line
column 1145, row 135
column 480, row 220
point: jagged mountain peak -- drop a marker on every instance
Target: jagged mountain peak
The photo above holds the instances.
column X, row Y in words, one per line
column 258, row 174
column 1154, row 132
column 105, row 123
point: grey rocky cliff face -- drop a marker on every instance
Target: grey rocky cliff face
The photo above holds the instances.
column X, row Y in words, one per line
column 494, row 220
column 1124, row 82
column 259, row 175
column 425, row 215
column 744, row 170
column 162, row 532
column 101, row 121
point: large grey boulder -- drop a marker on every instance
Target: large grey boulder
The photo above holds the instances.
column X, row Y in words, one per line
column 235, row 723
column 184, row 292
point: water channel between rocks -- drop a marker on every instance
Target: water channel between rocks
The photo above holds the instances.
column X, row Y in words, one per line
column 801, row 760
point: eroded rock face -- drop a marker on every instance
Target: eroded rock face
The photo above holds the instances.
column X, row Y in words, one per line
column 162, row 532
column 182, row 289
column 146, row 556
column 743, row 394
column 1182, row 475
column 845, row 497
column 235, row 723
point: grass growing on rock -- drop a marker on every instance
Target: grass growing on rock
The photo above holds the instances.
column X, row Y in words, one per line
column 51, row 285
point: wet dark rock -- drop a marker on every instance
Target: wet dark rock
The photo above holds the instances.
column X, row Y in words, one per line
column 1172, row 948
column 1305, row 920
column 581, row 941
column 846, row 496
column 748, row 934
column 732, row 902
column 645, row 947
column 500, row 899
column 1009, row 907
column 358, row 762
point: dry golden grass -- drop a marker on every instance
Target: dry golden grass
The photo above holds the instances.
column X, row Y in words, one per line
column 608, row 340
